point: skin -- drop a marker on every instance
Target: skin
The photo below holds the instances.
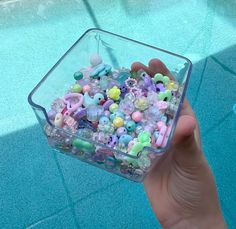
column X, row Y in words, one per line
column 181, row 187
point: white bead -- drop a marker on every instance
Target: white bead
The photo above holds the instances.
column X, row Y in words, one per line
column 95, row 60
column 58, row 120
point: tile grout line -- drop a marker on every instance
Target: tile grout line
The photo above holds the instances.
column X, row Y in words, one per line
column 67, row 207
column 70, row 201
column 200, row 83
column 227, row 69
column 51, row 216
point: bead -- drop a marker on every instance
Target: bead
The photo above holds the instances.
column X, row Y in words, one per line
column 126, row 106
column 138, row 129
column 160, row 87
column 113, row 107
column 113, row 141
column 162, row 105
column 120, row 131
column 83, row 145
column 80, row 113
column 78, row 75
column 137, row 116
column 51, row 114
column 118, row 122
column 86, row 88
column 141, row 103
column 130, row 126
column 107, row 113
column 85, row 133
column 94, row 112
column 73, row 101
column 165, row 96
column 159, row 78
column 144, row 137
column 95, row 60
column 70, row 122
column 107, row 104
column 130, row 97
column 152, row 114
column 58, row 121
column 131, row 83
column 104, row 120
column 125, row 139
column 97, row 99
column 114, row 93
column 58, row 105
column 144, row 162
column 76, row 88
column 100, row 70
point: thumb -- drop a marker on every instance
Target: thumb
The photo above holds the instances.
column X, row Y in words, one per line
column 186, row 150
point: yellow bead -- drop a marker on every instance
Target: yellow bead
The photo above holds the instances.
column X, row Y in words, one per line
column 114, row 93
column 118, row 122
column 113, row 108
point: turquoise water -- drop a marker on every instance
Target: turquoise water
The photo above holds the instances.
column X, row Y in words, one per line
column 43, row 189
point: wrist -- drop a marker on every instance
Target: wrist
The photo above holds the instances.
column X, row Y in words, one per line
column 216, row 222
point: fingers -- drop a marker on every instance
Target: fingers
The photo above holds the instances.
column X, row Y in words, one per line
column 154, row 66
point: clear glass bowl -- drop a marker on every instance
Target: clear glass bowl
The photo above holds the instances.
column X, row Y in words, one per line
column 118, row 52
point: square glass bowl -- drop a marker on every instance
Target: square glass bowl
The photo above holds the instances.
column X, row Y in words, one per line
column 87, row 131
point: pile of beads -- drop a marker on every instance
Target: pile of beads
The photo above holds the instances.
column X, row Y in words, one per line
column 112, row 116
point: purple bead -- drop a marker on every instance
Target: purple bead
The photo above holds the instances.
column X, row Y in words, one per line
column 107, row 104
column 113, row 141
column 107, row 113
column 80, row 113
column 120, row 131
column 160, row 87
column 52, row 114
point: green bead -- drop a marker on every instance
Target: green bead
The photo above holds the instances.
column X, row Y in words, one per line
column 78, row 75
column 83, row 145
column 113, row 108
column 144, row 137
column 165, row 96
column 160, row 78
column 76, row 88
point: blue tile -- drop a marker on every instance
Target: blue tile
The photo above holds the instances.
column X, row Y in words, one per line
column 63, row 220
column 123, row 205
column 31, row 187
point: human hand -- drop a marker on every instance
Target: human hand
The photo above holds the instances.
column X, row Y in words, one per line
column 181, row 187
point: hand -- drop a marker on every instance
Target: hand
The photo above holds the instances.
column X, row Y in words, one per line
column 180, row 187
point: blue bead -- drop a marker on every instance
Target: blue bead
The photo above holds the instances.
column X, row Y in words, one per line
column 104, row 120
column 130, row 126
column 125, row 139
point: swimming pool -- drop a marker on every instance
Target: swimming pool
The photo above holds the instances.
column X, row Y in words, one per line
column 42, row 189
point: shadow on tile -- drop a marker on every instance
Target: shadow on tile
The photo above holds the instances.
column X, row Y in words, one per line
column 31, row 187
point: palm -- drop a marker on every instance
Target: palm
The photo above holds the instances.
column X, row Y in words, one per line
column 180, row 185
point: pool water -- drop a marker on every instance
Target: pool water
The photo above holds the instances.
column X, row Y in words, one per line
column 43, row 189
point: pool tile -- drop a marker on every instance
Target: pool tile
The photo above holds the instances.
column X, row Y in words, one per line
column 31, row 187
column 82, row 178
column 64, row 220
column 123, row 205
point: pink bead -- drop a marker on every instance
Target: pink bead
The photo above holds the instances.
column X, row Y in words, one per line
column 86, row 88
column 137, row 116
column 160, row 125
